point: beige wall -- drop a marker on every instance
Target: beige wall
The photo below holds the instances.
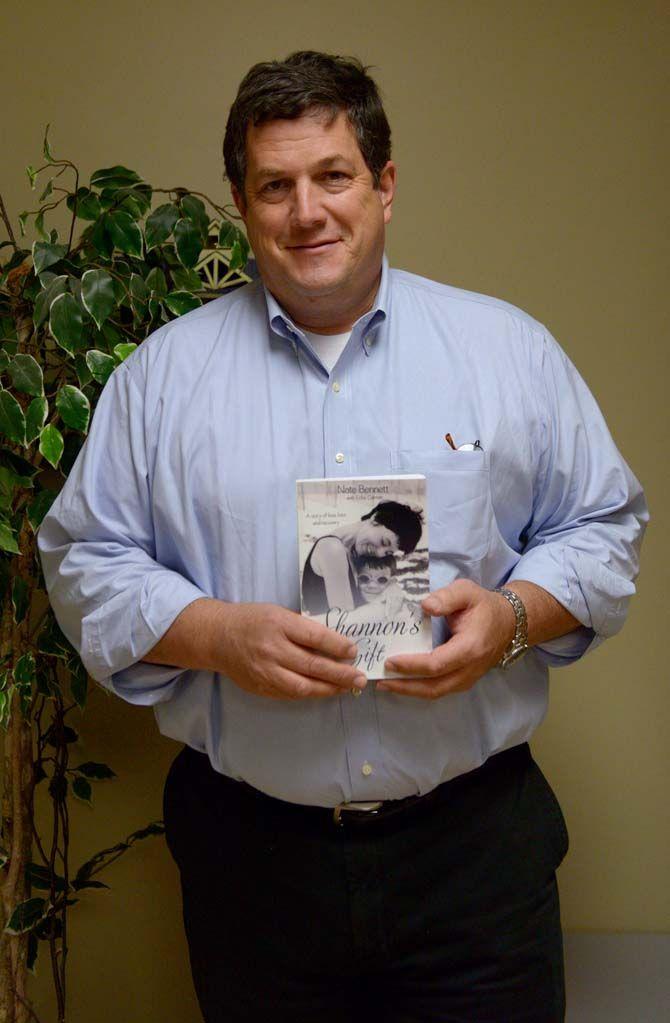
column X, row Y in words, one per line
column 532, row 167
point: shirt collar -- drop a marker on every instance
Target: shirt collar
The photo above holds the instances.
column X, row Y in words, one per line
column 282, row 324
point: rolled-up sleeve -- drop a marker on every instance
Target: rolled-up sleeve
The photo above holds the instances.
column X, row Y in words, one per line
column 110, row 596
column 589, row 512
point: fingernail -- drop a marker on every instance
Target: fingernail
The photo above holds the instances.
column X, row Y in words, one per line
column 352, row 651
column 430, row 605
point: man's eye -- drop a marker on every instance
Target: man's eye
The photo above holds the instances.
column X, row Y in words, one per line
column 335, row 176
column 273, row 187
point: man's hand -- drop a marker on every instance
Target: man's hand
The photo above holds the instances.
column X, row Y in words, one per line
column 264, row 648
column 482, row 625
column 271, row 651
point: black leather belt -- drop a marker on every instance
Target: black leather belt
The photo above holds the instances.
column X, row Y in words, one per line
column 355, row 813
column 350, row 816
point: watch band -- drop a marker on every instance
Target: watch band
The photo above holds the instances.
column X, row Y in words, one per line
column 519, row 645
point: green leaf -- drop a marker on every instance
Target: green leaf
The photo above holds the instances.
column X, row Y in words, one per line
column 31, row 954
column 46, row 254
column 36, row 417
column 156, row 282
column 22, row 222
column 97, row 292
column 186, row 280
column 87, row 203
column 32, row 175
column 4, row 360
column 180, row 302
column 7, row 539
column 89, row 884
column 55, row 287
column 45, row 145
column 139, row 296
column 52, row 444
column 114, row 177
column 100, row 364
column 237, row 260
column 26, row 375
column 74, row 407
column 8, row 485
column 39, row 225
column 66, row 322
column 40, row 877
column 125, row 233
column 159, row 224
column 135, row 199
column 24, row 669
column 100, row 238
column 194, row 209
column 48, row 189
column 78, row 684
column 81, row 788
column 227, row 234
column 82, row 370
column 39, row 506
column 19, row 599
column 122, row 351
column 26, row 915
column 188, row 240
column 96, row 771
column 12, row 419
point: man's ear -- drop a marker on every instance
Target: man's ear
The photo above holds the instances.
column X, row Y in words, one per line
column 388, row 180
column 238, row 199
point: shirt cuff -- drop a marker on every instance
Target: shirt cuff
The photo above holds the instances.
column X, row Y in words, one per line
column 117, row 636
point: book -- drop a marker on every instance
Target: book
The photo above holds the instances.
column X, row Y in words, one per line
column 363, row 561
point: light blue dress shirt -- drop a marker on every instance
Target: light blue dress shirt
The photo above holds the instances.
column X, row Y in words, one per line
column 186, row 488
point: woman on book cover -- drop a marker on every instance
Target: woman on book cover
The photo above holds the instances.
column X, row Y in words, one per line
column 329, row 574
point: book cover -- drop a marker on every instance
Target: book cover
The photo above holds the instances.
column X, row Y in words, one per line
column 363, row 562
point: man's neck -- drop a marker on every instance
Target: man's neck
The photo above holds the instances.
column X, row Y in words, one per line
column 326, row 314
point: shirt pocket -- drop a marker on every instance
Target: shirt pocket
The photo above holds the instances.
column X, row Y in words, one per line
column 460, row 514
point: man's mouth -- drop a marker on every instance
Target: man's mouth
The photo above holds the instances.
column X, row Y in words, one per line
column 320, row 246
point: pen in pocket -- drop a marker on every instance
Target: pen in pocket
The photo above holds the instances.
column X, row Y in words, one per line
column 462, row 447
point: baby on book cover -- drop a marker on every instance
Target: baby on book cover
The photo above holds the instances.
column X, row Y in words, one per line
column 363, row 553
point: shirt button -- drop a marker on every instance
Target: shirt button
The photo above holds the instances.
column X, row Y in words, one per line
column 336, row 387
column 339, row 457
column 366, row 769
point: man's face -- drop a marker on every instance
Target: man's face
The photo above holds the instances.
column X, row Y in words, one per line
column 314, row 218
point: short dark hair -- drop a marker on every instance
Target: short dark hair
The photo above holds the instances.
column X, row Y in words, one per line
column 370, row 561
column 308, row 80
column 401, row 520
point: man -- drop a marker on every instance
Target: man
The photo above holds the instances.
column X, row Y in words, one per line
column 391, row 854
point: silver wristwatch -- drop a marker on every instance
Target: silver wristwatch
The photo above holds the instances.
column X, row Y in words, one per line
column 519, row 644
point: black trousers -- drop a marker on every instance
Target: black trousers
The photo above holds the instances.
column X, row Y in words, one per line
column 447, row 913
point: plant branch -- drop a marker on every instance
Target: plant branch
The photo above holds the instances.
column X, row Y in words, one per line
column 8, row 223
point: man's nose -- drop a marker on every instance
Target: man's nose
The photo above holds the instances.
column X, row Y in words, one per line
column 307, row 209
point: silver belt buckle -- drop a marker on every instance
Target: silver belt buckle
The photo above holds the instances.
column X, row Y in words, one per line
column 355, row 808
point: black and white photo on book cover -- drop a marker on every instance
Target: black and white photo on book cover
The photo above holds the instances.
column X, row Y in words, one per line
column 363, row 562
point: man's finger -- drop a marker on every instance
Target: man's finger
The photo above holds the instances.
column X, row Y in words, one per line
column 312, row 665
column 450, row 656
column 451, row 598
column 291, row 685
column 316, row 636
column 429, row 688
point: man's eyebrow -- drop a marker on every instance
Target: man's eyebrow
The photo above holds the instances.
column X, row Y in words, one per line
column 277, row 172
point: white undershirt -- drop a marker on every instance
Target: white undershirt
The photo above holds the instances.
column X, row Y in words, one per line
column 328, row 347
